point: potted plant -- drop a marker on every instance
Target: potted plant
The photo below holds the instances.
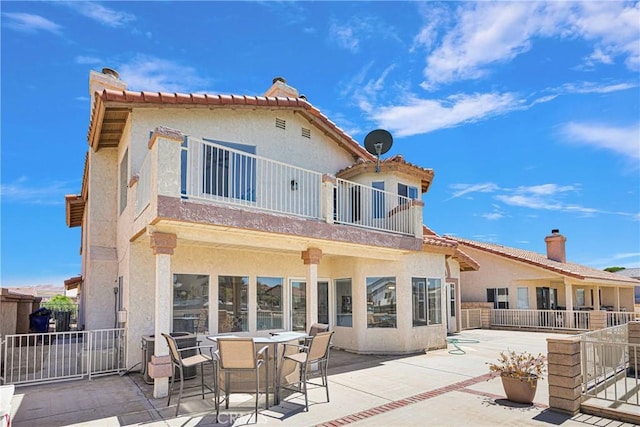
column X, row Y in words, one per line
column 520, row 373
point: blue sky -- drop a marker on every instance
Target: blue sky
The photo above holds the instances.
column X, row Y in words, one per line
column 529, row 113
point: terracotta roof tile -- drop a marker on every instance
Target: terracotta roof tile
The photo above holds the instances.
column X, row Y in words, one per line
column 565, row 268
column 112, row 97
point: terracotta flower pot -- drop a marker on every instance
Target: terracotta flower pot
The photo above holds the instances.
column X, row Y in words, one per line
column 520, row 390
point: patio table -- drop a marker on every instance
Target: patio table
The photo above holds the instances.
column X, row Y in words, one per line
column 273, row 340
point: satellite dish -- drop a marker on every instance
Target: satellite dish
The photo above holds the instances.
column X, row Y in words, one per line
column 378, row 142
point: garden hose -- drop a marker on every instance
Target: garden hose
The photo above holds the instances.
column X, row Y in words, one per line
column 455, row 341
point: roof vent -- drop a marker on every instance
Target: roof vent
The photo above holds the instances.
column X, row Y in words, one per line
column 111, row 72
column 279, row 79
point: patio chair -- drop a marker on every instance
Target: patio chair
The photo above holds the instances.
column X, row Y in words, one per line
column 317, row 351
column 237, row 355
column 181, row 362
column 313, row 331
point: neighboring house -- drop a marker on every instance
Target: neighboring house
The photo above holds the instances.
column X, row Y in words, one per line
column 634, row 273
column 253, row 214
column 513, row 278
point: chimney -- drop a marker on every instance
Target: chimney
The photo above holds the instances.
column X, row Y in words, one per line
column 107, row 79
column 555, row 246
column 281, row 88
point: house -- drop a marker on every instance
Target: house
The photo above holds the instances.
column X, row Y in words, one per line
column 634, row 273
column 511, row 278
column 253, row 214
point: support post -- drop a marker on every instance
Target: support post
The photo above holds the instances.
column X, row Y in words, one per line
column 311, row 258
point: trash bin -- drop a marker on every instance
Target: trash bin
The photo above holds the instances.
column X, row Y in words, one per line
column 63, row 320
column 39, row 320
column 183, row 339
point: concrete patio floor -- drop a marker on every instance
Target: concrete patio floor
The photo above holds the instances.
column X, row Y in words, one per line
column 448, row 387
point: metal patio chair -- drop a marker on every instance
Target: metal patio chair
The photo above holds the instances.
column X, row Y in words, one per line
column 180, row 362
column 238, row 354
column 316, row 351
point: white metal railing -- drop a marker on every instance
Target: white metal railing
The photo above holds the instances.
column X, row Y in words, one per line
column 615, row 318
column 143, row 188
column 610, row 365
column 369, row 207
column 471, row 318
column 215, row 172
column 546, row 319
column 57, row 356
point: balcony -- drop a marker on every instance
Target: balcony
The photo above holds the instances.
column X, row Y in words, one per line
column 215, row 174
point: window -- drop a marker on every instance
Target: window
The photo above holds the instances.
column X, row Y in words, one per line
column 523, row 298
column 419, row 302
column 323, row 302
column 344, row 303
column 269, row 305
column 381, row 302
column 427, row 301
column 298, row 305
column 124, row 180
column 232, row 303
column 434, row 301
column 499, row 297
column 229, row 172
column 191, row 303
column 452, row 300
column 406, row 191
column 580, row 298
column 378, row 207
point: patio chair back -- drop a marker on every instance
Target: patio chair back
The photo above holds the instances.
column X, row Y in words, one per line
column 237, row 353
column 318, row 327
column 319, row 346
column 173, row 349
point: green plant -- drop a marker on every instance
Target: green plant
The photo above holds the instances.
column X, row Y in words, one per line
column 522, row 365
column 60, row 303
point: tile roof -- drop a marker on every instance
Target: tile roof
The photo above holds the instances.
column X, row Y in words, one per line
column 630, row 272
column 394, row 163
column 430, row 238
column 112, row 106
column 533, row 258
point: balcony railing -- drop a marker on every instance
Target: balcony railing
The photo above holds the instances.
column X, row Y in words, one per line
column 216, row 173
column 369, row 207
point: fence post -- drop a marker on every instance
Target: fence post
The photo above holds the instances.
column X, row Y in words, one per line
column 485, row 316
column 565, row 374
column 598, row 320
column 633, row 331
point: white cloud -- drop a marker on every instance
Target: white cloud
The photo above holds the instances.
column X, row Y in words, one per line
column 417, row 116
column 97, row 12
column 622, row 140
column 463, row 189
column 350, row 34
column 29, row 23
column 160, row 75
column 488, row 33
column 22, row 191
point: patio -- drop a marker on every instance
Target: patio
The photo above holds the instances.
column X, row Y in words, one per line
column 443, row 387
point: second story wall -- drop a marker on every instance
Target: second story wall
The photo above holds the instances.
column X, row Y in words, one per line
column 262, row 129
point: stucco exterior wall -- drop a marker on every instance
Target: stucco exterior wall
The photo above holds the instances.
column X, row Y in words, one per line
column 250, row 127
column 100, row 251
column 214, row 262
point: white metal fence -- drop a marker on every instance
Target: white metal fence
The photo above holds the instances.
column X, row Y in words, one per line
column 545, row 319
column 58, row 356
column 471, row 318
column 610, row 366
column 369, row 207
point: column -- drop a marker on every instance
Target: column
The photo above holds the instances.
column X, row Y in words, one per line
column 597, row 303
column 568, row 298
column 564, row 372
column 163, row 245
column 311, row 258
column 328, row 185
